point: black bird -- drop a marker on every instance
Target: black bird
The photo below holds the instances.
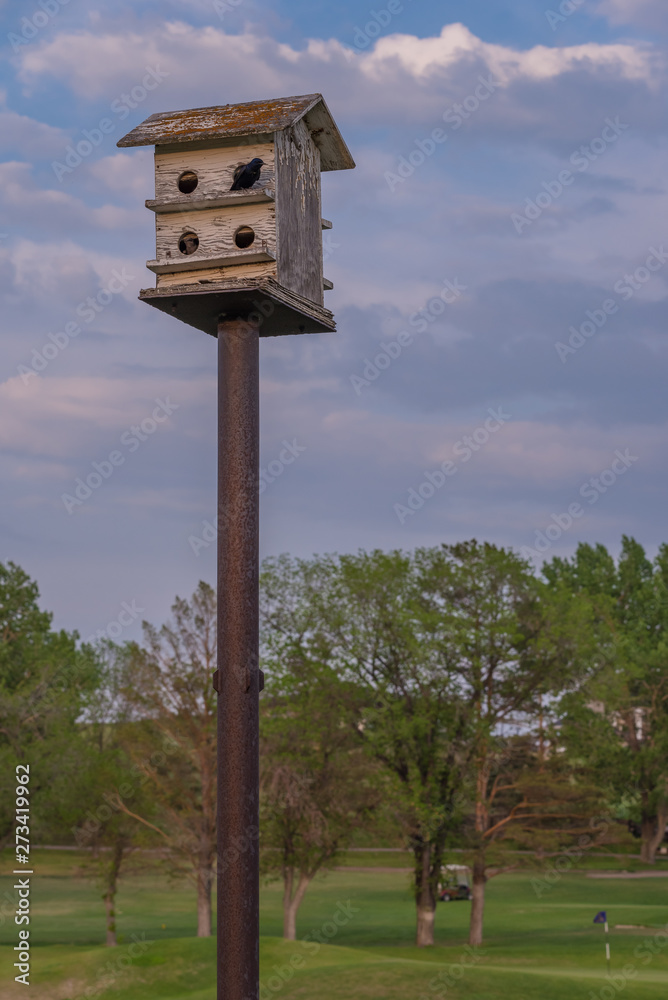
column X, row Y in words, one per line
column 246, row 175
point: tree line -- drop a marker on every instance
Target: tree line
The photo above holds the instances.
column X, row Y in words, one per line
column 452, row 695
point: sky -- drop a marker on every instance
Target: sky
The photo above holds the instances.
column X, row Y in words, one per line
column 500, row 267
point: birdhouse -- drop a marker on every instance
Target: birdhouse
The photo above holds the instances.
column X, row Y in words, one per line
column 238, row 212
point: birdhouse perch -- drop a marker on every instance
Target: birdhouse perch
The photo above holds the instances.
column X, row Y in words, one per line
column 238, row 212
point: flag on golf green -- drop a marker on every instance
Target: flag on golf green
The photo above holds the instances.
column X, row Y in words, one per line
column 600, row 918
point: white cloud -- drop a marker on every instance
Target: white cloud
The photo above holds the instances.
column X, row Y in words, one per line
column 400, row 75
column 40, row 470
column 541, row 456
column 450, row 219
column 456, row 46
column 23, row 202
column 61, row 418
column 65, row 269
column 128, row 175
column 26, row 135
column 649, row 13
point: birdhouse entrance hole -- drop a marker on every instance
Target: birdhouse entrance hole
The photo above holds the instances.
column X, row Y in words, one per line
column 188, row 243
column 244, row 237
column 188, row 181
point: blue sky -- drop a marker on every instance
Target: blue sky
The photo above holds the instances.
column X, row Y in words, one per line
column 520, row 266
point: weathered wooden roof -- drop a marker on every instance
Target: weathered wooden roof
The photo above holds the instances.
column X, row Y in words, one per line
column 252, row 118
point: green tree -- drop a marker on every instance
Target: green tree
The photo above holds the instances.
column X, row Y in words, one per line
column 509, row 640
column 317, row 788
column 45, row 684
column 446, row 659
column 618, row 721
column 538, row 801
column 168, row 689
column 89, row 806
column 362, row 618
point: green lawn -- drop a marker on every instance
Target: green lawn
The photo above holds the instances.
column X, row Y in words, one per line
column 543, row 947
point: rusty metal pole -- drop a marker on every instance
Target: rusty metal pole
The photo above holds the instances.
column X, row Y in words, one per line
column 238, row 675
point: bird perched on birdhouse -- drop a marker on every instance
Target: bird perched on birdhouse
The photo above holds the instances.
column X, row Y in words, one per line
column 238, row 213
column 247, row 174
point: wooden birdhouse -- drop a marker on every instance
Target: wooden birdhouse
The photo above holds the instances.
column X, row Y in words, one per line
column 257, row 249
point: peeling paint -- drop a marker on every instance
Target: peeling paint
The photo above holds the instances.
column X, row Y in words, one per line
column 252, row 118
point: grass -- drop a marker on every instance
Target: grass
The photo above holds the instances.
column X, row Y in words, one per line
column 536, row 947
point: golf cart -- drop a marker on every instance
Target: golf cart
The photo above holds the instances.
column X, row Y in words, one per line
column 455, row 883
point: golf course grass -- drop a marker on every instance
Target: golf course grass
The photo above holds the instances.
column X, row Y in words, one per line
column 536, row 947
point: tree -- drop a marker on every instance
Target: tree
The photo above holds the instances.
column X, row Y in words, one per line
column 45, row 682
column 111, row 849
column 317, row 787
column 619, row 720
column 509, row 641
column 538, row 801
column 168, row 688
column 105, row 772
column 361, row 618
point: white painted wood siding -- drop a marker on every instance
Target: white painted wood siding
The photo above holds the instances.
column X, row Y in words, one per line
column 215, row 229
column 214, row 168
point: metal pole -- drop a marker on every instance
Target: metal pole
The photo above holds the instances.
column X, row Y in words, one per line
column 607, row 947
column 238, row 676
